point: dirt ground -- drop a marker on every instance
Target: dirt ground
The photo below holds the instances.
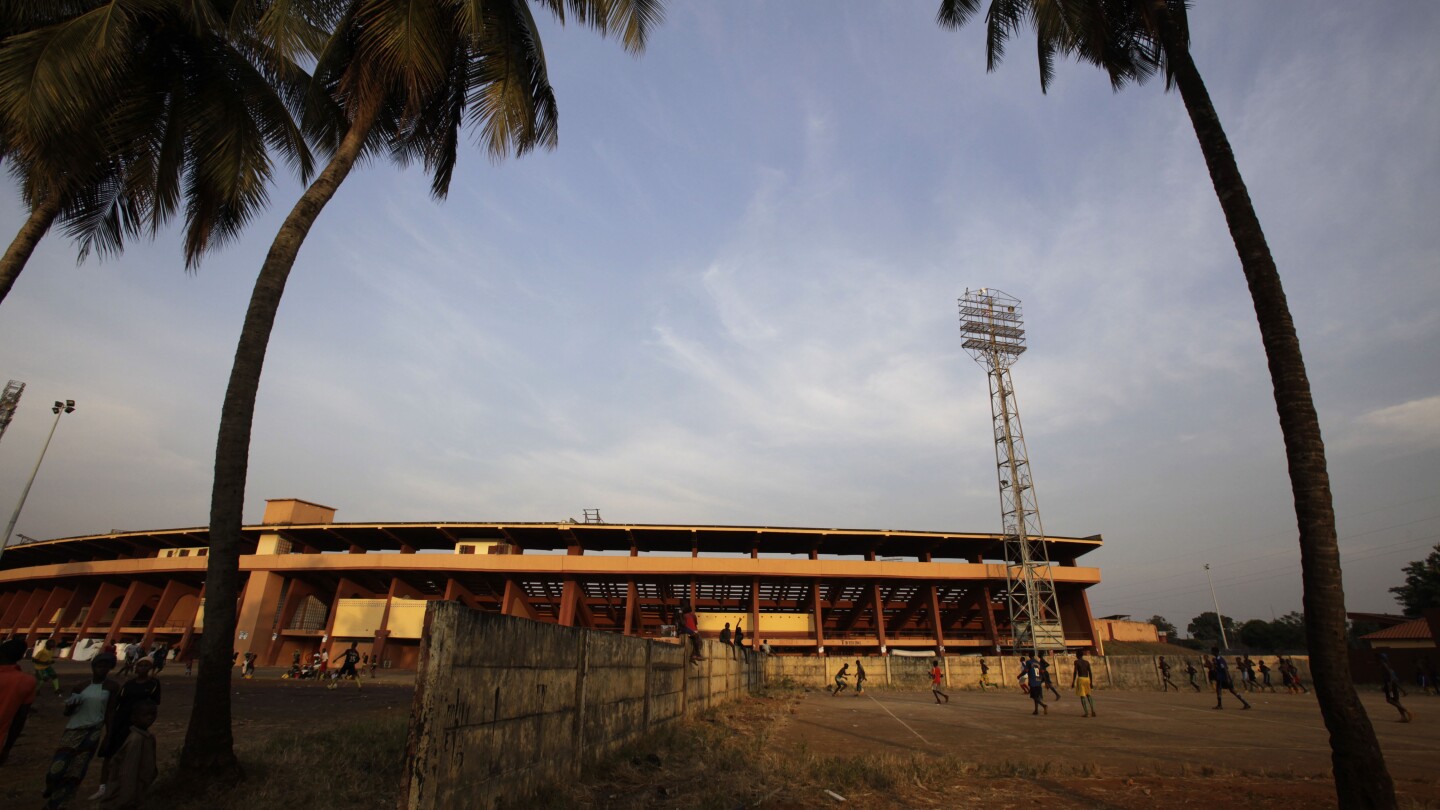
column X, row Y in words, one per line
column 884, row 749
column 262, row 707
column 1143, row 748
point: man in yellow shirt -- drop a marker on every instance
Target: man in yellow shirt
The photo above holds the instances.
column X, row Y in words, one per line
column 44, row 661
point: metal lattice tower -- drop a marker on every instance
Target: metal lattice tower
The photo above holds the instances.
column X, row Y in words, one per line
column 994, row 331
column 9, row 400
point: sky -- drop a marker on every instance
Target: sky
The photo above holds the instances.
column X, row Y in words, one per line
column 729, row 297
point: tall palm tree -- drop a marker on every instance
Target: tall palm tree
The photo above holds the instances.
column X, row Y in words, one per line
column 115, row 113
column 1131, row 40
column 407, row 74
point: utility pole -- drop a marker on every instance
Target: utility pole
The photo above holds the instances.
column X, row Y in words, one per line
column 1219, row 619
column 68, row 406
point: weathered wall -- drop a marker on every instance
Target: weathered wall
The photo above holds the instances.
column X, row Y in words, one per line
column 504, row 705
column 1130, row 672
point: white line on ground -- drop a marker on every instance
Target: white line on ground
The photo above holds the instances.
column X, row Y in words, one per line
column 898, row 720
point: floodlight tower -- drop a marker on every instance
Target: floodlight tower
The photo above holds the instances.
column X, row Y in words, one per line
column 994, row 331
column 9, row 400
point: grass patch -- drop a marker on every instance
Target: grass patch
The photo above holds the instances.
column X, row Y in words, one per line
column 357, row 765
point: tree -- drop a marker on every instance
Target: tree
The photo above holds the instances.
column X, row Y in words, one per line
column 115, row 113
column 1163, row 625
column 1206, row 627
column 1131, row 40
column 1421, row 590
column 406, row 74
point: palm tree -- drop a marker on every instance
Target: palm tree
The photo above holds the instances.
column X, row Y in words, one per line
column 407, row 74
column 1131, row 40
column 113, row 114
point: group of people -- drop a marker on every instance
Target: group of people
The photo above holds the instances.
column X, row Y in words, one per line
column 687, row 625
column 107, row 718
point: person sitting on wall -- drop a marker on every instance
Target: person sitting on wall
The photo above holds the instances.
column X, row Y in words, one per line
column 725, row 639
column 687, row 627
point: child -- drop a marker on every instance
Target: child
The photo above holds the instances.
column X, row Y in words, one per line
column 132, row 770
column 1080, row 682
column 44, row 662
column 937, row 675
column 841, row 680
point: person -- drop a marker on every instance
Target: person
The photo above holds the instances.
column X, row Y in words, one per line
column 142, row 687
column 740, row 638
column 1080, row 682
column 1426, row 678
column 130, row 653
column 1223, row 683
column 351, row 658
column 984, row 674
column 688, row 622
column 17, row 695
column 158, row 655
column 1285, row 679
column 44, row 661
column 840, row 680
column 247, row 669
column 1165, row 682
column 90, row 707
column 1045, row 675
column 1295, row 676
column 765, row 646
column 1391, row 686
column 1033, row 682
column 937, row 676
column 133, row 768
column 859, row 678
column 725, row 639
column 1191, row 672
column 1265, row 676
column 374, row 661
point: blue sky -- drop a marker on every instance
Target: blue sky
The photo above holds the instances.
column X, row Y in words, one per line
column 729, row 297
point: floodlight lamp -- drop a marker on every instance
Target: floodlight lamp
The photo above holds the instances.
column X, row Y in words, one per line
column 69, row 406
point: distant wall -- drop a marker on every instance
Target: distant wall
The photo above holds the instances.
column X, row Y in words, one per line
column 1129, row 672
column 1125, row 630
column 504, row 705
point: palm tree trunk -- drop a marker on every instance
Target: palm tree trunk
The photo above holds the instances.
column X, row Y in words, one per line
column 209, row 745
column 1361, row 779
column 39, row 221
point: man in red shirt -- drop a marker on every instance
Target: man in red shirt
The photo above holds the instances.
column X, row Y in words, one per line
column 17, row 693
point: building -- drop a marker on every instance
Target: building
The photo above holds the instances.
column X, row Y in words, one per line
column 1122, row 628
column 310, row 583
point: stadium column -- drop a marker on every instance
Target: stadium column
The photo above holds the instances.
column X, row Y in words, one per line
column 632, row 608
column 135, row 597
column 294, row 597
column 30, row 608
column 1074, row 607
column 398, row 588
column 878, row 601
column 59, row 596
column 934, row 610
column 454, row 592
column 819, row 616
column 572, row 596
column 514, row 603
column 755, row 613
column 11, row 611
column 987, row 614
column 168, row 597
column 255, row 620
column 69, row 615
column 105, row 595
column 188, row 637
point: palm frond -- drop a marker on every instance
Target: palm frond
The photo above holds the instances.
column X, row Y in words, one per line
column 514, row 105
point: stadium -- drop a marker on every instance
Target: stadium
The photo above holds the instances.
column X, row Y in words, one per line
column 311, row 584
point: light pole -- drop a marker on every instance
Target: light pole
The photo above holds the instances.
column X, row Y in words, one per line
column 1220, row 620
column 68, row 406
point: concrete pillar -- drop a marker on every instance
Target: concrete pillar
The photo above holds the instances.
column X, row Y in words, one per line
column 135, row 598
column 987, row 613
column 104, row 595
column 54, row 603
column 819, row 616
column 29, row 610
column 514, row 603
column 11, row 614
column 168, row 597
column 877, row 600
column 632, row 610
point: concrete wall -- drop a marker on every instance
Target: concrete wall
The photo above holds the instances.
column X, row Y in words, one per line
column 1129, row 672
column 504, row 705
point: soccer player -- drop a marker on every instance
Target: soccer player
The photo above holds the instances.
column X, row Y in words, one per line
column 984, row 674
column 1265, row 676
column 859, row 678
column 1080, row 682
column 351, row 658
column 44, row 662
column 936, row 676
column 1191, row 672
column 1033, row 682
column 1165, row 682
column 1223, row 682
column 840, row 680
column 1045, row 675
column 1392, row 688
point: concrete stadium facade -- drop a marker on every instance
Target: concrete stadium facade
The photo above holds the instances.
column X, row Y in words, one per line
column 310, row 583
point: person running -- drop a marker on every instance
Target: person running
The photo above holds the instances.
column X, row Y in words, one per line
column 17, row 695
column 1080, row 682
column 1165, row 682
column 144, row 687
column 1265, row 676
column 984, row 674
column 1295, row 681
column 44, row 661
column 937, row 677
column 159, row 655
column 1391, row 686
column 351, row 657
column 374, row 662
column 1033, row 682
column 1285, row 679
column 1045, row 675
column 1191, row 672
column 130, row 653
column 1223, row 682
column 840, row 680
column 90, row 707
column 1247, row 673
